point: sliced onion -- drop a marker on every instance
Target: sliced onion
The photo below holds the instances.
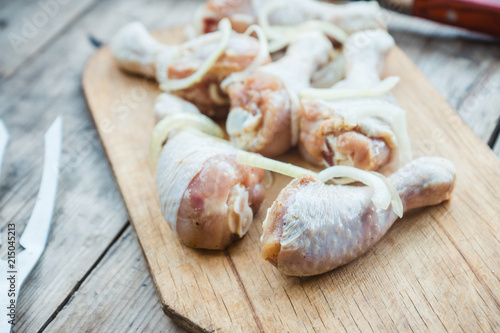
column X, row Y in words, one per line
column 168, row 56
column 268, row 180
column 331, row 73
column 263, row 18
column 281, row 35
column 258, row 61
column 329, row 29
column 394, row 115
column 265, row 163
column 180, row 121
column 331, row 94
column 202, row 40
column 382, row 195
column 177, row 84
column 213, row 91
column 397, row 204
column 384, row 191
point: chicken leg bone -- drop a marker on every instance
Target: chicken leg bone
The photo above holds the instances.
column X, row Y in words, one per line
column 313, row 228
column 264, row 108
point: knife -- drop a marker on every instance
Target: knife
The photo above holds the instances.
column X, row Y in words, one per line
column 35, row 234
column 476, row 15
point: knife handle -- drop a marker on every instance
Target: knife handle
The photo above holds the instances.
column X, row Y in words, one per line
column 477, row 15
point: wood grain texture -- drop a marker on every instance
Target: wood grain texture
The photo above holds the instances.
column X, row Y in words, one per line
column 30, row 25
column 436, row 268
column 208, row 291
column 464, row 68
column 118, row 297
column 89, row 211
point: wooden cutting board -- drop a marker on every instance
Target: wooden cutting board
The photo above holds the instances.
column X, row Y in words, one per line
column 437, row 269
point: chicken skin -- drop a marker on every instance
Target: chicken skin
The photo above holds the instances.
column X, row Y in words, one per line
column 167, row 104
column 137, row 52
column 313, row 228
column 207, row 94
column 349, row 17
column 264, row 108
column 329, row 136
column 208, row 198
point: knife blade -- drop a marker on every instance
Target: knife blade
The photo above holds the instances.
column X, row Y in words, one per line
column 35, row 235
column 476, row 15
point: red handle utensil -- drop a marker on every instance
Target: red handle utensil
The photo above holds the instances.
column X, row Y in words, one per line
column 478, row 15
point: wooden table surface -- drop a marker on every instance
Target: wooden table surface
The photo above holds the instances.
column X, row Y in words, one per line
column 92, row 276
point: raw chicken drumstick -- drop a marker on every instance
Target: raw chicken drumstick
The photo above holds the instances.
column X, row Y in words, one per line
column 167, row 104
column 356, row 131
column 349, row 17
column 313, row 228
column 138, row 52
column 135, row 49
column 264, row 107
column 206, row 196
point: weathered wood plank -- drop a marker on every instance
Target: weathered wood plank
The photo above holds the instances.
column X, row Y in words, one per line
column 437, row 268
column 464, row 67
column 496, row 148
column 402, row 264
column 179, row 272
column 89, row 211
column 118, row 296
column 426, row 234
column 27, row 26
column 85, row 140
